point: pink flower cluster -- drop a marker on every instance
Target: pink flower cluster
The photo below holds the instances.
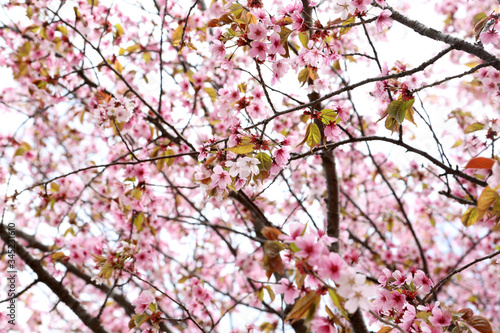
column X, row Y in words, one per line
column 118, row 109
column 490, row 80
column 397, row 300
column 313, row 258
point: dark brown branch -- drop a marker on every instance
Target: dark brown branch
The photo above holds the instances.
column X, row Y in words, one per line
column 121, row 300
column 259, row 219
column 332, row 199
column 412, row 149
column 456, row 43
column 353, row 86
column 456, row 271
column 57, row 288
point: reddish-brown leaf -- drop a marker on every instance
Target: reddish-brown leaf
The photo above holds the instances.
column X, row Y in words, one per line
column 481, row 324
column 303, row 305
column 467, row 313
column 480, row 163
column 271, row 233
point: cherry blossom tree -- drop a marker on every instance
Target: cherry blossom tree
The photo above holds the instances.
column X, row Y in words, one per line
column 250, row 166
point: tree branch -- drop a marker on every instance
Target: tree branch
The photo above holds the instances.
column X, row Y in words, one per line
column 456, row 43
column 57, row 288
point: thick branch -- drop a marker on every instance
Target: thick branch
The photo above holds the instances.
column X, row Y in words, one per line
column 119, row 298
column 259, row 219
column 332, row 198
column 57, row 288
column 408, row 147
column 456, row 43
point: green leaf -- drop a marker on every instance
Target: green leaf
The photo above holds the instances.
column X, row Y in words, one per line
column 265, row 161
column 212, row 93
column 138, row 221
column 119, row 30
column 244, row 147
column 470, row 217
column 308, row 128
column 153, row 307
column 337, row 300
column 304, row 75
column 328, row 116
column 260, row 294
column 314, row 137
column 177, row 35
column 304, row 38
column 169, row 161
column 408, row 105
column 424, row 315
column 473, row 128
column 394, row 110
column 140, row 319
column 133, row 48
column 24, row 50
column 486, row 199
column 478, row 23
column 62, row 29
column 284, row 34
column 350, row 20
column 271, row 293
column 391, row 124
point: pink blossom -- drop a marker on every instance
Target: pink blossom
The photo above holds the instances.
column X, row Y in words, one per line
column 384, row 278
column 226, row 65
column 220, row 178
column 296, row 230
column 399, row 278
column 243, row 167
column 490, row 36
column 238, row 185
column 421, row 280
column 282, row 155
column 308, row 246
column 259, row 50
column 384, row 19
column 332, row 132
column 409, row 317
column 430, row 329
column 398, row 300
column 314, row 57
column 288, row 290
column 360, row 298
column 381, row 3
column 256, row 109
column 344, row 7
column 331, row 267
column 218, row 50
column 322, row 325
column 440, row 318
column 258, row 93
column 276, row 46
column 298, row 21
column 142, row 302
column 384, row 301
column 257, row 31
column 361, row 4
column 280, row 68
column 349, row 281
